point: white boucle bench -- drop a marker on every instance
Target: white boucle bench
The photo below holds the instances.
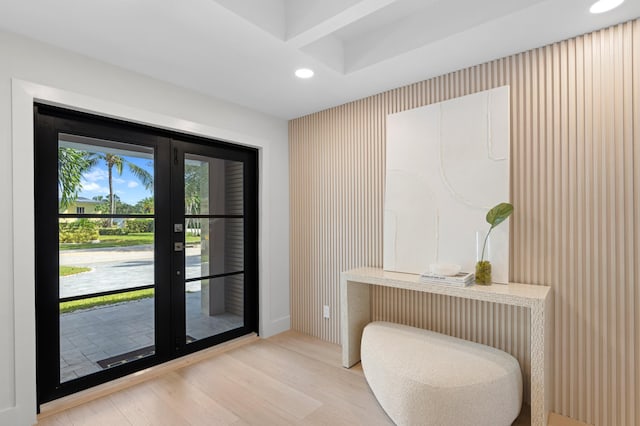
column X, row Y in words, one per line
column 421, row 377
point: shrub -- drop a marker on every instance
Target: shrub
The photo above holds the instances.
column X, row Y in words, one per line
column 104, row 223
column 78, row 231
column 112, row 231
column 138, row 225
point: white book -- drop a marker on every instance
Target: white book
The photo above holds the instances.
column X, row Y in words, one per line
column 461, row 279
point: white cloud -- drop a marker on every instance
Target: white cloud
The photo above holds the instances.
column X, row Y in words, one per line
column 118, row 180
column 132, row 184
column 95, row 175
column 94, row 187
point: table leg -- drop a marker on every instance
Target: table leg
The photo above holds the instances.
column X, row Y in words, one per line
column 355, row 307
column 540, row 364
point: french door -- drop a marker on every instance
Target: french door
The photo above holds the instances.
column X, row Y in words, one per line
column 146, row 247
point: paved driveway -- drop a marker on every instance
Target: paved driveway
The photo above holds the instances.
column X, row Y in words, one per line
column 118, row 268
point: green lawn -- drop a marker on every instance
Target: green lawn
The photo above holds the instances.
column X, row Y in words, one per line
column 105, row 300
column 192, row 239
column 120, row 241
column 72, row 270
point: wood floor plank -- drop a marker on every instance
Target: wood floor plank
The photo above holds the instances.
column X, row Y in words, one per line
column 558, row 420
column 249, row 408
column 289, row 379
column 331, row 415
column 326, row 352
column 101, row 412
column 59, row 420
column 271, row 388
column 195, row 406
column 319, row 380
column 141, row 407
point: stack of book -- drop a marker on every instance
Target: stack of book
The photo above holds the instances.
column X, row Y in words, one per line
column 461, row 279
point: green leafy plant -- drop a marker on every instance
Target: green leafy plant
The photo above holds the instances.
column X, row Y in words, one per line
column 112, row 231
column 495, row 217
column 133, row 226
column 72, row 163
column 78, row 231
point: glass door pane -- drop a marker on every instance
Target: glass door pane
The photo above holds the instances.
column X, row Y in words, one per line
column 214, row 253
column 106, row 254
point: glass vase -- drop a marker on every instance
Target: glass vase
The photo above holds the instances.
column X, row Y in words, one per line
column 483, row 256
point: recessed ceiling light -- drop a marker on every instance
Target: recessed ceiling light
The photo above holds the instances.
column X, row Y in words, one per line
column 304, row 73
column 602, row 6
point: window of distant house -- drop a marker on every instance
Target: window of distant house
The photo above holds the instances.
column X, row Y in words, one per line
column 79, row 210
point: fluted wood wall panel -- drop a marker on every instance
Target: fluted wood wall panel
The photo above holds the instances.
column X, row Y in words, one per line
column 575, row 185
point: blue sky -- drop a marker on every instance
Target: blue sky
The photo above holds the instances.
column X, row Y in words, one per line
column 126, row 186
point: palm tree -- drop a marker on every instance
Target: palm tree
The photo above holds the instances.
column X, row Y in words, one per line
column 192, row 180
column 145, row 206
column 72, row 163
column 115, row 161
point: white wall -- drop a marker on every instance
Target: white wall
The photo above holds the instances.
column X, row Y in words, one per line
column 31, row 70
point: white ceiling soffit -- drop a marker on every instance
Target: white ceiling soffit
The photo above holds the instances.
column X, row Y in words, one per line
column 245, row 51
column 348, row 35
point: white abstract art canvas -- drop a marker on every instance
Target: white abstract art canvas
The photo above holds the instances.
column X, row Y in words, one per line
column 447, row 165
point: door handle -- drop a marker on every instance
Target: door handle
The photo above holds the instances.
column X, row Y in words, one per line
column 178, row 246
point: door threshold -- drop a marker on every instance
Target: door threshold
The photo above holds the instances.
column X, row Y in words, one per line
column 53, row 407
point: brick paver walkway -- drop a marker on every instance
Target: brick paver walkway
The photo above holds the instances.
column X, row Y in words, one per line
column 91, row 335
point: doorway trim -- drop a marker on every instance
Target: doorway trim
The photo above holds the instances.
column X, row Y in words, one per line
column 23, row 96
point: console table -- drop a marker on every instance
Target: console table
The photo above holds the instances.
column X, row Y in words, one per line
column 355, row 311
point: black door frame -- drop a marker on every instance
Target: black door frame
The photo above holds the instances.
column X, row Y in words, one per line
column 169, row 197
column 180, row 147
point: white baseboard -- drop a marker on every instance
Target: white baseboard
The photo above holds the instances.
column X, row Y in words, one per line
column 276, row 326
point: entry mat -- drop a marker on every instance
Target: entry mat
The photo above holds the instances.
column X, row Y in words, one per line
column 126, row 357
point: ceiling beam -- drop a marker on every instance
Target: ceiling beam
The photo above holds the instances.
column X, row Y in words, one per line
column 336, row 22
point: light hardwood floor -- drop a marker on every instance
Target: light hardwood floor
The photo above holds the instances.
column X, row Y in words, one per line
column 290, row 378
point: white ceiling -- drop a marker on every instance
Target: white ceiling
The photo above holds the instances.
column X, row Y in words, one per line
column 245, row 51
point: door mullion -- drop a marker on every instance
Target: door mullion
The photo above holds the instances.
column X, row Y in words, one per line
column 177, row 274
column 164, row 316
